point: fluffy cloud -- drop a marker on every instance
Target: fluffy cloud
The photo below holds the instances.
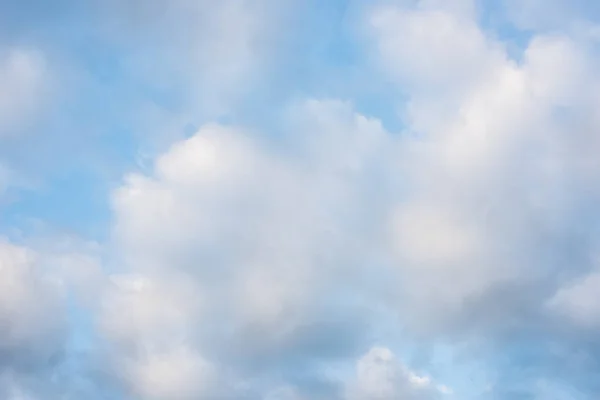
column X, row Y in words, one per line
column 380, row 376
column 257, row 264
column 267, row 242
column 463, row 224
column 412, row 52
column 492, row 186
column 148, row 325
column 33, row 323
column 498, row 160
column 45, row 286
column 31, row 314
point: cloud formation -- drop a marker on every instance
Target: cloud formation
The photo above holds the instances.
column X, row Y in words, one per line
column 259, row 237
column 324, row 255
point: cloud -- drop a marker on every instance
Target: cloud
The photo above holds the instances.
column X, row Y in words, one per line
column 148, row 324
column 536, row 15
column 261, row 238
column 31, row 309
column 412, row 52
column 44, row 339
column 464, row 224
column 207, row 54
column 23, row 79
column 497, row 161
column 380, row 376
column 33, row 324
column 577, row 301
column 250, row 262
column 488, row 194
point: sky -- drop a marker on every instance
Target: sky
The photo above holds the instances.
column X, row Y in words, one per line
column 299, row 199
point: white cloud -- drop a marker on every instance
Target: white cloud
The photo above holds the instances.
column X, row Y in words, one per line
column 137, row 306
column 22, row 82
column 260, row 237
column 484, row 161
column 471, row 209
column 243, row 251
column 381, row 376
column 578, row 302
column 413, row 51
column 247, row 255
column 32, row 319
column 43, row 336
column 148, row 323
column 177, row 373
column 255, row 214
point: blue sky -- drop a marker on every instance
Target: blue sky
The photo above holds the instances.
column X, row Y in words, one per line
column 299, row 200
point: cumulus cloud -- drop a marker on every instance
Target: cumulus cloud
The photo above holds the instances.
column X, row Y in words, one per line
column 43, row 351
column 412, row 52
column 380, row 376
column 463, row 224
column 262, row 237
column 255, row 265
column 33, row 324
column 491, row 185
column 148, row 324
